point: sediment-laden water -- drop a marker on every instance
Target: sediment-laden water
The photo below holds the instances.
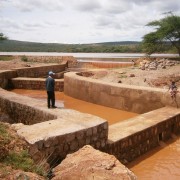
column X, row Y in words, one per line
column 62, row 100
column 162, row 163
column 89, row 55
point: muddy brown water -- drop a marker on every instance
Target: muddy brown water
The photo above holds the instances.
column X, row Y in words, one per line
column 110, row 114
column 162, row 163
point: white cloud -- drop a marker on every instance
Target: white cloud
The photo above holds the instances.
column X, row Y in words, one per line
column 86, row 6
column 31, row 5
column 81, row 21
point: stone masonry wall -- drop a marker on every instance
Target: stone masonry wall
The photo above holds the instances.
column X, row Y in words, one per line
column 128, row 146
column 22, row 109
column 34, row 83
column 35, row 72
column 5, row 77
column 129, row 98
column 56, row 148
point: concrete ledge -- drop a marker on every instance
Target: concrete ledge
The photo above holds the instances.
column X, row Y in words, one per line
column 67, row 122
column 133, row 137
column 142, row 122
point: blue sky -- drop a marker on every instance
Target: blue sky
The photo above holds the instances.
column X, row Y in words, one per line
column 81, row 21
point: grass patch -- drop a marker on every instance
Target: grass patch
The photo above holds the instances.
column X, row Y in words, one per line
column 4, row 135
column 14, row 157
column 24, row 162
column 6, row 58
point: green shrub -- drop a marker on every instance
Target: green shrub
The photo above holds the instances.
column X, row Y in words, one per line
column 6, row 58
column 16, row 159
column 24, row 58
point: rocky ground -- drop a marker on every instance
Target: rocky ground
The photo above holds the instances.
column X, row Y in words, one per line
column 147, row 73
column 89, row 163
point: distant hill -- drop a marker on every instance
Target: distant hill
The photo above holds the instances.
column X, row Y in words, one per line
column 120, row 43
column 23, row 46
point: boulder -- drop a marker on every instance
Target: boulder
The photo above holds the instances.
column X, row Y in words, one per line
column 88, row 163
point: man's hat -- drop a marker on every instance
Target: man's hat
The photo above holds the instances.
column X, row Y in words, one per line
column 51, row 73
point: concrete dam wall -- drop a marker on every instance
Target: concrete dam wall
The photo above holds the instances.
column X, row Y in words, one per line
column 136, row 99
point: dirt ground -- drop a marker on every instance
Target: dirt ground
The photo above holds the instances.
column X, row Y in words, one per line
column 17, row 63
column 134, row 75
column 160, row 78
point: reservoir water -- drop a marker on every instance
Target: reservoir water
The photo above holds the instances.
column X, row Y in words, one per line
column 162, row 163
column 89, row 55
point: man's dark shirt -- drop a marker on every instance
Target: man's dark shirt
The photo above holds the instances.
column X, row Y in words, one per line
column 50, row 82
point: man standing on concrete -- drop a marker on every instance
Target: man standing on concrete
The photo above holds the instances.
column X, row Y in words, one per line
column 50, row 84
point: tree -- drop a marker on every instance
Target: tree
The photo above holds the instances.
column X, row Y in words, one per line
column 2, row 37
column 167, row 32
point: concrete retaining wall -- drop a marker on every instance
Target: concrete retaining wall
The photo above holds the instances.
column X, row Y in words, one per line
column 129, row 98
column 5, row 76
column 34, row 83
column 35, row 72
column 23, row 109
